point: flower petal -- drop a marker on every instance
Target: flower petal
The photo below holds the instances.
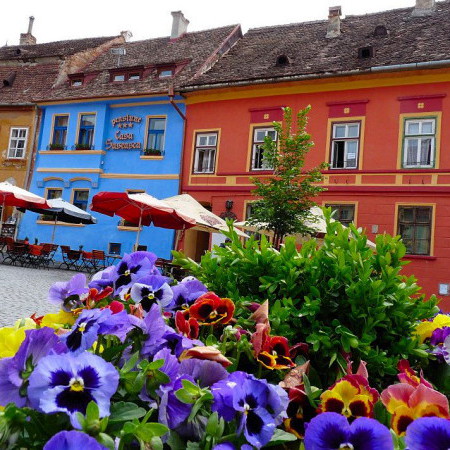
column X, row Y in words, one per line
column 369, row 434
column 428, row 433
column 327, row 431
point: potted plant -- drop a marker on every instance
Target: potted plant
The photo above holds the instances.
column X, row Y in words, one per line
column 83, row 147
column 56, row 147
column 152, row 152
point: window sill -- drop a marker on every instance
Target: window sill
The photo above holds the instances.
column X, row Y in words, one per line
column 124, row 228
column 424, row 257
column 342, row 168
column 64, row 224
column 418, row 168
column 156, row 157
column 72, row 152
column 15, row 159
column 263, row 171
column 203, row 173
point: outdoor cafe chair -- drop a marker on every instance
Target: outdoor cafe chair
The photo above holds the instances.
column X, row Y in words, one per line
column 71, row 258
column 16, row 253
column 46, row 255
column 98, row 260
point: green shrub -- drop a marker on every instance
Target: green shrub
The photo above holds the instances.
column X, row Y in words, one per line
column 340, row 298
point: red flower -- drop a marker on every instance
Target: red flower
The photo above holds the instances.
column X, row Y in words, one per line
column 95, row 296
column 275, row 353
column 36, row 319
column 115, row 307
column 209, row 309
column 409, row 376
column 186, row 327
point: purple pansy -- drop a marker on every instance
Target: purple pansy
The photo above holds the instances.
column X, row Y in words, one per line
column 73, row 440
column 230, row 446
column 65, row 383
column 329, row 431
column 428, row 433
column 67, row 294
column 104, row 278
column 437, row 341
column 132, row 267
column 15, row 371
column 186, row 292
column 93, row 322
column 154, row 326
column 150, row 290
column 204, row 372
column 172, row 412
column 178, row 343
column 258, row 406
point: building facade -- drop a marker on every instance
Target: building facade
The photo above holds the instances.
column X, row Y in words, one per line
column 27, row 71
column 117, row 124
column 378, row 86
column 110, row 145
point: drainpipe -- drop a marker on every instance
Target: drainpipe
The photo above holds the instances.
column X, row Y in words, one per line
column 171, row 96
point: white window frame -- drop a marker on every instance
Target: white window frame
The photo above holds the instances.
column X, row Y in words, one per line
column 407, row 137
column 210, row 150
column 346, row 139
column 11, row 149
column 256, row 148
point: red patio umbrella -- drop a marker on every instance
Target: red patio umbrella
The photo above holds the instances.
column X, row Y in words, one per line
column 11, row 195
column 141, row 209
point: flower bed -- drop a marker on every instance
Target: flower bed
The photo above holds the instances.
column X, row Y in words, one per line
column 135, row 360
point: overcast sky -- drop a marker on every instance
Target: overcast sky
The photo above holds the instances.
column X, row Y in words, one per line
column 62, row 19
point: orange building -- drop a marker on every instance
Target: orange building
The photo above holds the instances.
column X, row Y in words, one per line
column 378, row 86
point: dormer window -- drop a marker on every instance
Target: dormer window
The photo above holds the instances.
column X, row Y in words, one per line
column 365, row 52
column 134, row 76
column 75, row 82
column 122, row 75
column 380, row 30
column 283, row 60
column 165, row 73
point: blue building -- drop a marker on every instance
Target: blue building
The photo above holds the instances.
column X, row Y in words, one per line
column 118, row 126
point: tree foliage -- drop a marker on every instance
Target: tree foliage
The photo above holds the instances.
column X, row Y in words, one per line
column 342, row 298
column 284, row 199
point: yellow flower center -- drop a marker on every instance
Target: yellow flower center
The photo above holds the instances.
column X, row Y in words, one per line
column 76, row 384
column 82, row 327
column 127, row 273
column 346, row 446
column 151, row 296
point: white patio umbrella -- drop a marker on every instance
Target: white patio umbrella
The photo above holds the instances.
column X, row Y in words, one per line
column 63, row 211
column 319, row 227
column 205, row 220
column 11, row 195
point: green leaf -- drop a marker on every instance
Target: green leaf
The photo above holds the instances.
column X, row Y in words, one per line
column 280, row 436
column 106, row 440
column 148, row 431
column 130, row 364
column 123, row 411
column 92, row 412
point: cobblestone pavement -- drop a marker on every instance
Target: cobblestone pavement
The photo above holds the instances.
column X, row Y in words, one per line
column 24, row 291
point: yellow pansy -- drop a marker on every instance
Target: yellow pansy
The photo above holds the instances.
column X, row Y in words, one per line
column 10, row 340
column 425, row 329
column 58, row 320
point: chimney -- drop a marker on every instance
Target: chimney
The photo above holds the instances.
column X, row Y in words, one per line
column 127, row 35
column 27, row 38
column 423, row 8
column 179, row 24
column 334, row 22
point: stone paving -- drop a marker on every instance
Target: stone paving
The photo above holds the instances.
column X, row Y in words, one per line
column 24, row 291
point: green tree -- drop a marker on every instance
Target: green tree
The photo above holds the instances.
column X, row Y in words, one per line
column 284, row 200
